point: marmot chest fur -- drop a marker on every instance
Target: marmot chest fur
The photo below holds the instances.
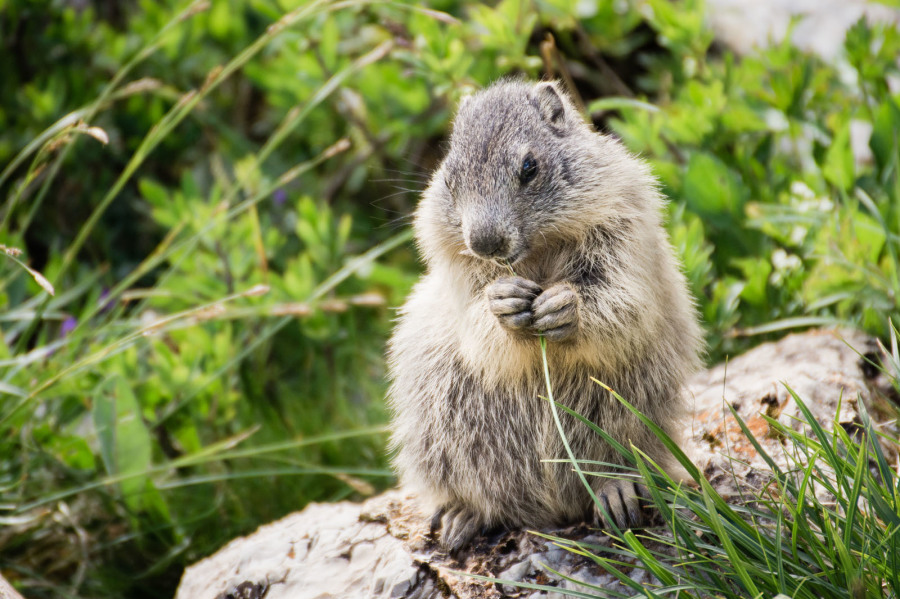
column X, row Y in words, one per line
column 527, row 186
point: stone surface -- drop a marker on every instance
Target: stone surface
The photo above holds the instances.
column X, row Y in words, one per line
column 381, row 549
column 7, row 591
column 820, row 24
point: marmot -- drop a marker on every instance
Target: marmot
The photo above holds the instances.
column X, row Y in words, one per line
column 528, row 186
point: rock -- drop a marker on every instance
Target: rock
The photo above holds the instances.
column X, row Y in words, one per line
column 382, row 549
column 820, row 24
column 826, row 371
column 7, row 591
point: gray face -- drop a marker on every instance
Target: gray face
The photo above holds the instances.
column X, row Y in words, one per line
column 507, row 168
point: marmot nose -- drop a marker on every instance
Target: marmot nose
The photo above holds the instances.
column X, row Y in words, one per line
column 488, row 244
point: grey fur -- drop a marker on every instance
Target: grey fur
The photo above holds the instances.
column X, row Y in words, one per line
column 595, row 274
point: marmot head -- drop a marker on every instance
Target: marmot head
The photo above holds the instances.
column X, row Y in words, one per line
column 520, row 157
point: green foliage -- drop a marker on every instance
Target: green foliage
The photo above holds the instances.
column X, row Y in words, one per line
column 207, row 196
column 760, row 149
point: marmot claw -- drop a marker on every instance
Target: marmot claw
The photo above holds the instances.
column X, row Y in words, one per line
column 622, row 501
column 510, row 300
column 457, row 527
column 555, row 313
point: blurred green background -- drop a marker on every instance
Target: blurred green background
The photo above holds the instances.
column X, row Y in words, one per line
column 218, row 193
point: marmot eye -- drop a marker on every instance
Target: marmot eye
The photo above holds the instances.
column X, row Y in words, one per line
column 529, row 169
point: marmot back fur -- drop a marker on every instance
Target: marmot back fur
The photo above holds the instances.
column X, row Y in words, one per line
column 528, row 183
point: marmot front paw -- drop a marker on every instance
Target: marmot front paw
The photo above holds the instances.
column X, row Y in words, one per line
column 556, row 313
column 521, row 305
column 510, row 300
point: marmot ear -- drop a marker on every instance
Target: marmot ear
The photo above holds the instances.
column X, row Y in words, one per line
column 552, row 108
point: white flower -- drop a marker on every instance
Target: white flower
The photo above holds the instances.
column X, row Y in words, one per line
column 798, row 234
column 802, row 191
column 782, row 261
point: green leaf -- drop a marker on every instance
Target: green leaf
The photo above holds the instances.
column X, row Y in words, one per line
column 756, row 272
column 713, row 190
column 885, row 140
column 604, row 104
column 329, row 35
column 103, row 413
column 838, row 168
column 125, row 443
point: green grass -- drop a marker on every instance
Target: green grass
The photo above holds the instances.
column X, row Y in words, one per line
column 216, row 194
column 825, row 526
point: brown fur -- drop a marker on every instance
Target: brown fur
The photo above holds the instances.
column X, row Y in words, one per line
column 595, row 274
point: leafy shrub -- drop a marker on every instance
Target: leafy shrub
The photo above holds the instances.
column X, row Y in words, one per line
column 217, row 193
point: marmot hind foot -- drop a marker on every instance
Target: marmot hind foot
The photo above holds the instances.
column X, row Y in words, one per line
column 624, row 501
column 457, row 526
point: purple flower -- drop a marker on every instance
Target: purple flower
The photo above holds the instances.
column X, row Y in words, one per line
column 68, row 325
column 279, row 197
